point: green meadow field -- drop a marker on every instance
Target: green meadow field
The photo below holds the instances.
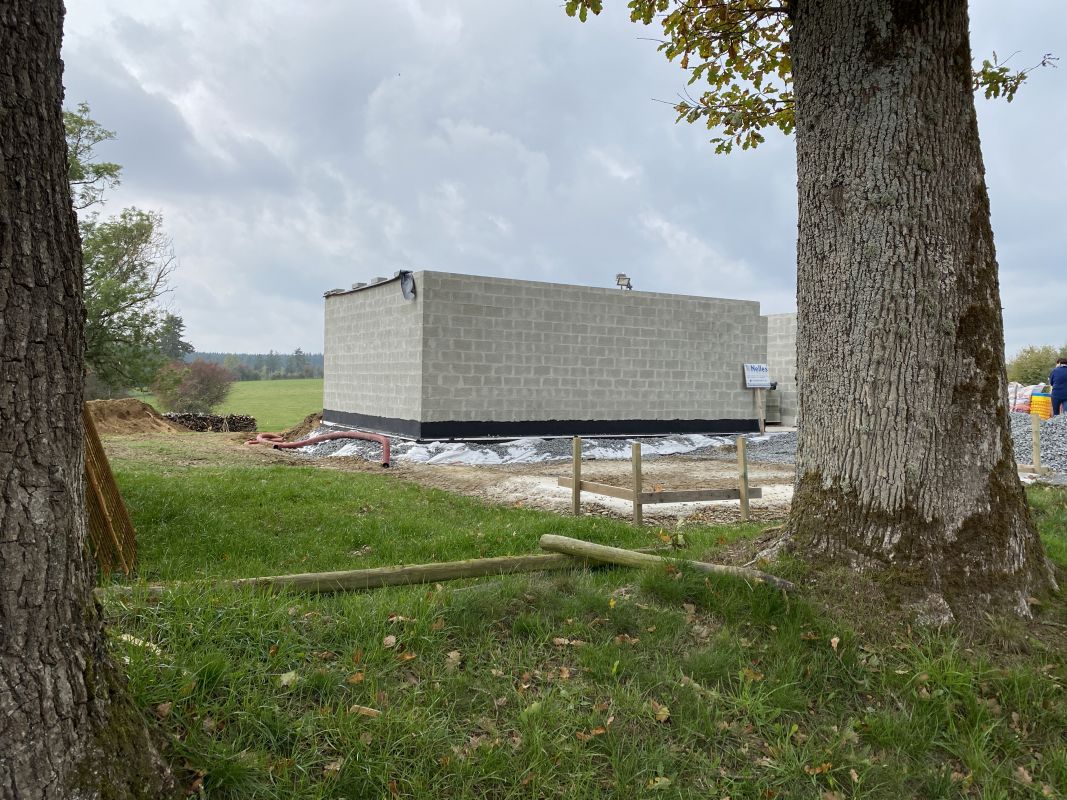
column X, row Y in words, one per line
column 276, row 405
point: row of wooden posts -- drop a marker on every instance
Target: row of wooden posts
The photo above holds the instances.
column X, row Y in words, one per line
column 639, row 498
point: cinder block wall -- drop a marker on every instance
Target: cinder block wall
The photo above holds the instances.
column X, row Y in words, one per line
column 499, row 349
column 782, row 361
column 490, row 356
column 373, row 356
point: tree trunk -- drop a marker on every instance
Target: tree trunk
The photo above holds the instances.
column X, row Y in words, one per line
column 67, row 726
column 905, row 457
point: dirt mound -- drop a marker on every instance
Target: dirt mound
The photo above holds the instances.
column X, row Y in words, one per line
column 310, row 423
column 128, row 415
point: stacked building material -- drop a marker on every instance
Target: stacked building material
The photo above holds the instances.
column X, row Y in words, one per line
column 214, row 423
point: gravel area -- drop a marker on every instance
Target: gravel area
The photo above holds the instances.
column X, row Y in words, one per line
column 776, row 448
column 1053, row 441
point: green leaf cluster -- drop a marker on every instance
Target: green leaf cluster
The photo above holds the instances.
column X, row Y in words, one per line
column 128, row 260
column 737, row 54
column 1033, row 364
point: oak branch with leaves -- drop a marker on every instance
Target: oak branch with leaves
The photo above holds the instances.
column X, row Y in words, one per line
column 740, row 71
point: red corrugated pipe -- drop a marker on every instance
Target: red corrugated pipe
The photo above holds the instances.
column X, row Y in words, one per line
column 276, row 440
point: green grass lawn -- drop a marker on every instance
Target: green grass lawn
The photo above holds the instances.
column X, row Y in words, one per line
column 605, row 684
column 276, row 405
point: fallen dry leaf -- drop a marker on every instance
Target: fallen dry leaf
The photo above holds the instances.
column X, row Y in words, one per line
column 356, row 677
column 834, row 642
column 818, row 770
column 366, row 711
column 163, row 709
column 564, row 674
column 453, row 660
column 288, row 679
column 389, row 641
column 334, row 766
column 659, row 782
column 407, row 655
column 752, row 675
column 438, row 624
column 1023, row 775
column 661, row 712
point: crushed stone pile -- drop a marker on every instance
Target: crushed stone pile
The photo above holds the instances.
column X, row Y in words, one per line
column 128, row 416
column 1053, row 441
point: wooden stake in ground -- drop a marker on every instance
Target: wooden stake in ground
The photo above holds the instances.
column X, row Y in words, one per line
column 742, row 476
column 576, row 493
column 1035, row 438
column 635, row 456
column 616, row 555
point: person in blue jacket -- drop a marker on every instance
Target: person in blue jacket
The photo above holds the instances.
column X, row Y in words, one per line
column 1058, row 379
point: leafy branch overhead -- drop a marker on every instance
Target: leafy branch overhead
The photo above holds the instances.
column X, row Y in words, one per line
column 738, row 59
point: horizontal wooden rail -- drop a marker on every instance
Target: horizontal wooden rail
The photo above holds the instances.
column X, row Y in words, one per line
column 669, row 496
column 600, row 488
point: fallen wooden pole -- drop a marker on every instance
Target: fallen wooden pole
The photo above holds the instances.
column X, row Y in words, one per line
column 629, row 558
column 375, row 577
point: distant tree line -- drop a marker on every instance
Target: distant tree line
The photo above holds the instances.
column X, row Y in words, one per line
column 265, row 366
column 1033, row 364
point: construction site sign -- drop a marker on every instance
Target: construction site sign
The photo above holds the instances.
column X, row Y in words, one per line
column 757, row 376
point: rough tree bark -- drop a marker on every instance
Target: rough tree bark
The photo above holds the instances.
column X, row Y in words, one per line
column 905, row 457
column 67, row 726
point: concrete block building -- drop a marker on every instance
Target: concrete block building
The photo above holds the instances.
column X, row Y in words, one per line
column 436, row 355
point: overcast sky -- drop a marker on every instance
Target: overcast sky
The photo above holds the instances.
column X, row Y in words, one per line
column 297, row 147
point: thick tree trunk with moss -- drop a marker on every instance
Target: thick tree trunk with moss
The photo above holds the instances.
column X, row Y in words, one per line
column 905, row 458
column 67, row 726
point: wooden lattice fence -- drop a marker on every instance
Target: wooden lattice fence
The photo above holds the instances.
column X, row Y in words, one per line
column 110, row 529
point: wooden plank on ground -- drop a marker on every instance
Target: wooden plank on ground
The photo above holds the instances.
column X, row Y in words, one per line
column 616, row 555
column 378, row 577
column 600, row 488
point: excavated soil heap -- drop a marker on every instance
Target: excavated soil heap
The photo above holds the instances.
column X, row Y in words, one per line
column 128, row 415
column 310, row 423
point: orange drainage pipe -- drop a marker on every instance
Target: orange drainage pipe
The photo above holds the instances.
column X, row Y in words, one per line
column 276, row 441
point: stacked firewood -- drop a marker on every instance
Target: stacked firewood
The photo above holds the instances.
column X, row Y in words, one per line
column 213, row 423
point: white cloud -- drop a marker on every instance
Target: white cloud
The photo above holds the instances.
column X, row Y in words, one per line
column 293, row 148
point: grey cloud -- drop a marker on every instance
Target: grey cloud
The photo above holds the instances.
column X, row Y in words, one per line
column 298, row 147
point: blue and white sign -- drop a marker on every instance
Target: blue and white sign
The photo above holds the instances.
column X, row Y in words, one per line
column 757, row 376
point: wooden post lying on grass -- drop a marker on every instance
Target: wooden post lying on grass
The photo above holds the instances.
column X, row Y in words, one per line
column 629, row 558
column 635, row 456
column 576, row 494
column 742, row 476
column 376, row 577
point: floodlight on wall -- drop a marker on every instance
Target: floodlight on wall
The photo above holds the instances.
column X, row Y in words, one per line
column 623, row 282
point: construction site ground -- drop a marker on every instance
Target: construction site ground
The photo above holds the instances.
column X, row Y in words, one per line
column 529, row 485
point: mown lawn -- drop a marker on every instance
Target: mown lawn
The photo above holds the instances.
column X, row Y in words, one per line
column 276, row 405
column 608, row 683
